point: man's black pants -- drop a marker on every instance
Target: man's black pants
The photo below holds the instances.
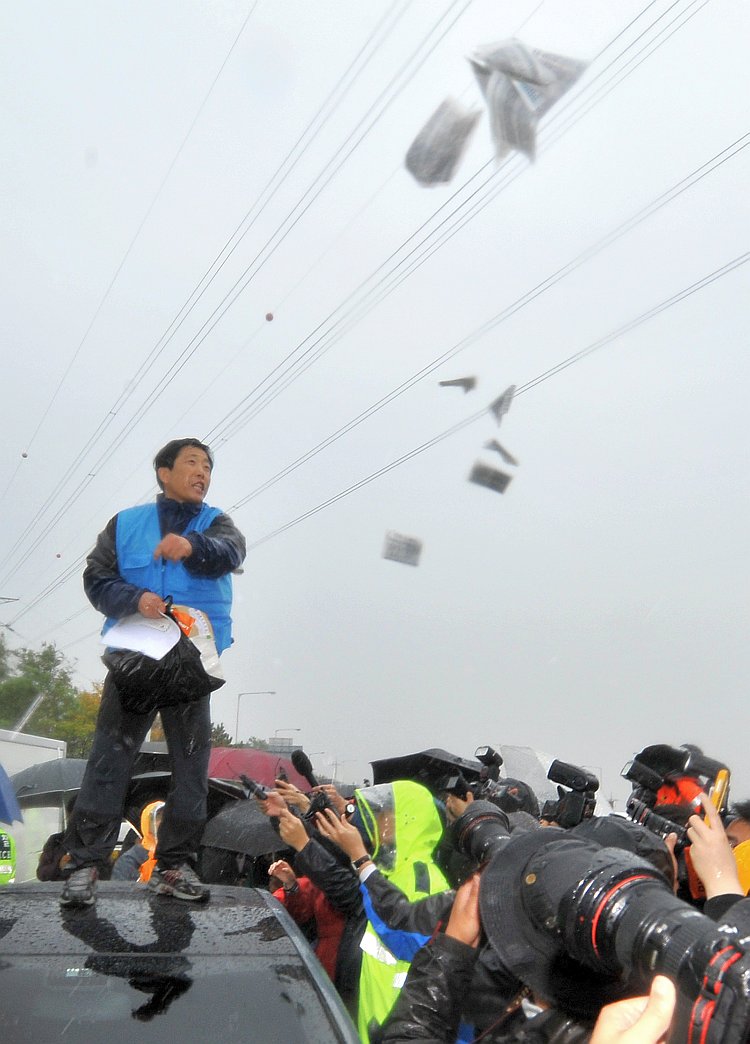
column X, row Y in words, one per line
column 94, row 826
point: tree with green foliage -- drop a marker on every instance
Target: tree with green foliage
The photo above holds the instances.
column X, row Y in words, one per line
column 219, row 735
column 63, row 711
column 221, row 738
column 253, row 741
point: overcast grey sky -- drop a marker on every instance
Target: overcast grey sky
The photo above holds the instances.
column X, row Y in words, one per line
column 601, row 603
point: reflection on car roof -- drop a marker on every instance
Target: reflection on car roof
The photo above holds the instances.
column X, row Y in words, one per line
column 137, row 966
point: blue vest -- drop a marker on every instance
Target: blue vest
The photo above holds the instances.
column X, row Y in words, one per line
column 138, row 533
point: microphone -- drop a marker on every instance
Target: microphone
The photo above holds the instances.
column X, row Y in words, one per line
column 303, row 765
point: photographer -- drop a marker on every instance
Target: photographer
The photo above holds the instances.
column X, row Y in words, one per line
column 491, row 989
column 584, row 926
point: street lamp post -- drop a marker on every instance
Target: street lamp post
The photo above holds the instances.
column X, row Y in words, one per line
column 259, row 692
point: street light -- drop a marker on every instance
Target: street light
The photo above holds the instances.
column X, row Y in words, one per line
column 260, row 692
column 277, row 731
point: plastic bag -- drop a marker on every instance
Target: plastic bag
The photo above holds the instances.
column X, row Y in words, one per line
column 145, row 684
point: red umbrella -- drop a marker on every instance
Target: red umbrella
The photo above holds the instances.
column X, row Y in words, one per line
column 260, row 765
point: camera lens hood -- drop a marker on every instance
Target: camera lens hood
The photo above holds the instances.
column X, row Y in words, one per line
column 520, row 894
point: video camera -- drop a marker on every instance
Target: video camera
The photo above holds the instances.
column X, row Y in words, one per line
column 673, row 778
column 579, row 802
column 584, row 925
column 665, row 775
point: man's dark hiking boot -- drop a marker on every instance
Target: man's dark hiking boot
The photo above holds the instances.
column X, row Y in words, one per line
column 181, row 882
column 80, row 887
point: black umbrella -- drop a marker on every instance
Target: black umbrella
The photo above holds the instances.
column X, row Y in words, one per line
column 428, row 767
column 242, row 827
column 48, row 782
column 154, row 786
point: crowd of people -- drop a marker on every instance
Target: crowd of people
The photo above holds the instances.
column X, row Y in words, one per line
column 458, row 910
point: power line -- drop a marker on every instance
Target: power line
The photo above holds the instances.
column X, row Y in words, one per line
column 259, row 397
column 220, row 310
column 546, row 375
column 240, row 422
column 132, row 243
column 716, row 161
column 122, row 435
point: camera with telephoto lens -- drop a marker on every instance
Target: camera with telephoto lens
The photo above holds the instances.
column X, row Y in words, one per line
column 579, row 802
column 640, row 812
column 480, row 832
column 584, row 925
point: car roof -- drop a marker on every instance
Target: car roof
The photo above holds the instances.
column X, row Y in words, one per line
column 240, row 949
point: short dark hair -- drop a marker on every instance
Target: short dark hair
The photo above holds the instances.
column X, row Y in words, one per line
column 740, row 810
column 167, row 455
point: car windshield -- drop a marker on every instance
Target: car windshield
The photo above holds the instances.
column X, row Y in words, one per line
column 124, row 998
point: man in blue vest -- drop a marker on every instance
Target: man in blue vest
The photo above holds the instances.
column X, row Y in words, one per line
column 177, row 546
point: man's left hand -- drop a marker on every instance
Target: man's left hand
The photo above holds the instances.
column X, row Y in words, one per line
column 173, row 547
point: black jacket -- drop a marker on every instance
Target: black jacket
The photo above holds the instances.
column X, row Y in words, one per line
column 430, row 1003
column 490, row 986
column 341, row 886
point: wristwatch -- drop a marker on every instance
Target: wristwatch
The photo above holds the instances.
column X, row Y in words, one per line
column 357, row 863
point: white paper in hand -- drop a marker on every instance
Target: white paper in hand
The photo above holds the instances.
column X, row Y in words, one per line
column 154, row 638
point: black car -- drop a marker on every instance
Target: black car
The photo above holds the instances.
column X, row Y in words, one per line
column 139, row 967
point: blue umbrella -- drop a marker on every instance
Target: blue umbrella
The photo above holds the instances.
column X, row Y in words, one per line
column 9, row 810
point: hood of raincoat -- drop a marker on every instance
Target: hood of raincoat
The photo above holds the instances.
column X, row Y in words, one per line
column 148, row 824
column 402, row 823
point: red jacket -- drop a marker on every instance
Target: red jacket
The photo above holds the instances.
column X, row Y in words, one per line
column 306, row 902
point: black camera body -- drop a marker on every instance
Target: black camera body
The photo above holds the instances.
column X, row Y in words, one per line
column 579, row 802
column 661, row 763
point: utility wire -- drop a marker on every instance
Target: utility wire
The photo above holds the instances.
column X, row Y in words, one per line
column 259, row 397
column 221, row 309
column 546, row 375
column 619, row 34
column 133, row 241
column 588, row 254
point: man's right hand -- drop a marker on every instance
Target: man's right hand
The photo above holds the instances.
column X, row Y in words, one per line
column 151, row 605
column 292, row 830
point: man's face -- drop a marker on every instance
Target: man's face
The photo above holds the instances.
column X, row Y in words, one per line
column 738, row 832
column 456, row 806
column 189, row 478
